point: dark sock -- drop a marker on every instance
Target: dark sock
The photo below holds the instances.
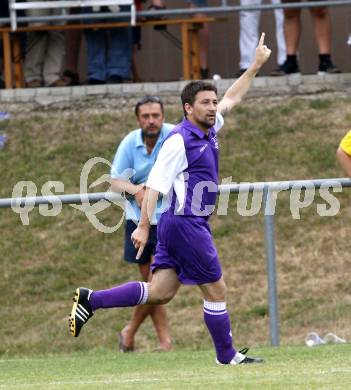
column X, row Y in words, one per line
column 323, row 58
column 291, row 58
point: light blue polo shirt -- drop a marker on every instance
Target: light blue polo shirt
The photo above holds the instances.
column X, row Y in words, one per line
column 132, row 162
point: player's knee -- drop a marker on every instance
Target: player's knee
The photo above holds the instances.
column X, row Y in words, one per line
column 218, row 293
column 159, row 297
column 221, row 294
column 164, row 299
column 161, row 300
column 222, row 289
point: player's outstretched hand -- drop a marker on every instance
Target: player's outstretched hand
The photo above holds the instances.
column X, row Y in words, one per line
column 139, row 239
column 262, row 52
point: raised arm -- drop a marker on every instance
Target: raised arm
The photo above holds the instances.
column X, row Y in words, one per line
column 237, row 91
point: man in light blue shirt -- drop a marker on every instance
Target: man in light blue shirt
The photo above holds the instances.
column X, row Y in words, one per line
column 135, row 157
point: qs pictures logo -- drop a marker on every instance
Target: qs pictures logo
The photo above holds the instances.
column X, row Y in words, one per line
column 52, row 205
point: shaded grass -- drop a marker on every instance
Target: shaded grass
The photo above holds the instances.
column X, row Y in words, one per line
column 263, row 140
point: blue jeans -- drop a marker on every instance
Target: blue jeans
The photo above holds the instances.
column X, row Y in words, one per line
column 109, row 52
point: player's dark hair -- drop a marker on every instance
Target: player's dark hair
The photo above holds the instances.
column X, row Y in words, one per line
column 148, row 99
column 192, row 89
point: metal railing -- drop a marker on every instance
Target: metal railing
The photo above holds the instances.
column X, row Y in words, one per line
column 269, row 190
column 224, row 8
column 64, row 4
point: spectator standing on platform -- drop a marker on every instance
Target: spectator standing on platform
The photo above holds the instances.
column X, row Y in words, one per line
column 109, row 51
column 203, row 38
column 138, row 151
column 249, row 27
column 136, row 35
column 45, row 53
column 323, row 34
column 343, row 154
column 73, row 39
column 136, row 40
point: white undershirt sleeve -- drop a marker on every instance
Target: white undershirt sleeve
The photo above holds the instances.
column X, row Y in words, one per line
column 219, row 122
column 171, row 162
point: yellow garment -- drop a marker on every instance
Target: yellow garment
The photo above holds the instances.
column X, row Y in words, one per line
column 345, row 143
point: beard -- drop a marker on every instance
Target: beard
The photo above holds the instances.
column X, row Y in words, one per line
column 151, row 133
column 206, row 123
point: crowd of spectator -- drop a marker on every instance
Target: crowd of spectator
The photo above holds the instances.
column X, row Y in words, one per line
column 51, row 57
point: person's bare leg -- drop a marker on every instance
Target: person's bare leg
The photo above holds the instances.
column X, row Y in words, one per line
column 203, row 38
column 158, row 316
column 322, row 29
column 292, row 30
column 203, row 43
column 73, row 39
column 135, row 73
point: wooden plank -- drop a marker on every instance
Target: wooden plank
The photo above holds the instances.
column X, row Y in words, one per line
column 79, row 26
column 7, row 59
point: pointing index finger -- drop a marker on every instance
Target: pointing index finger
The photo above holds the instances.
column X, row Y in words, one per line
column 140, row 252
column 261, row 39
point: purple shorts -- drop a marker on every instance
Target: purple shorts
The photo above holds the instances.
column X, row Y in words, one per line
column 185, row 244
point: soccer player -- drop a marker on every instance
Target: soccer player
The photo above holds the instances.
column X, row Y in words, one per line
column 138, row 151
column 185, row 252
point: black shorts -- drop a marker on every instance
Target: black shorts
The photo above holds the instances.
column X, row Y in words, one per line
column 129, row 250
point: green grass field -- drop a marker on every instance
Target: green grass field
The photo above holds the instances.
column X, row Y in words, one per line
column 41, row 264
column 324, row 367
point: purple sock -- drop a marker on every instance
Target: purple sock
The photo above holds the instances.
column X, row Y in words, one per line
column 128, row 294
column 218, row 323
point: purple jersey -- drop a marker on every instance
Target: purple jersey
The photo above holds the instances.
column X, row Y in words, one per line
column 188, row 162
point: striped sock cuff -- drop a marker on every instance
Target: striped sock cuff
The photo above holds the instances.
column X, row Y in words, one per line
column 215, row 308
column 144, row 293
